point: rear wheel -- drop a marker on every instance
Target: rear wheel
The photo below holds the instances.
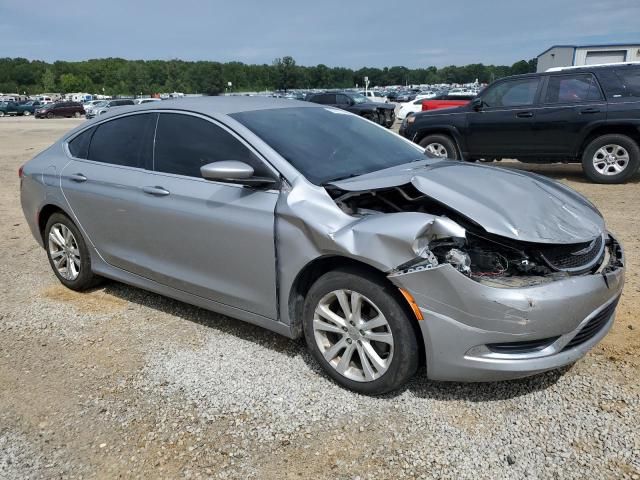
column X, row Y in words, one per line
column 77, row 114
column 26, row 113
column 611, row 158
column 68, row 253
column 359, row 333
column 1, row 113
column 441, row 146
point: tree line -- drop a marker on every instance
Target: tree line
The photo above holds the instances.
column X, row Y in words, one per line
column 117, row 76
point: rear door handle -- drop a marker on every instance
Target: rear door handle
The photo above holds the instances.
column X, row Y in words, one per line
column 78, row 177
column 524, row 115
column 590, row 110
column 157, row 191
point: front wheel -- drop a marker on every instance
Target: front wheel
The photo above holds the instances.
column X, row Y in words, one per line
column 373, row 117
column 49, row 115
column 611, row 159
column 1, row 113
column 357, row 330
column 441, row 146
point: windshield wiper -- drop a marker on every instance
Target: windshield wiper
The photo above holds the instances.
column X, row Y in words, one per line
column 338, row 179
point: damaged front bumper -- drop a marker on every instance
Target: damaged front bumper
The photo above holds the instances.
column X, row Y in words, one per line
column 474, row 332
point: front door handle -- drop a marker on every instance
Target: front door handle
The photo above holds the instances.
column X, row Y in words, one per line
column 590, row 110
column 78, row 177
column 524, row 115
column 157, row 191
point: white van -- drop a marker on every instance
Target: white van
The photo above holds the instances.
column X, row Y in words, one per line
column 374, row 96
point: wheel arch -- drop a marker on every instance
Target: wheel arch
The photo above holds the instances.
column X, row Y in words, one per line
column 631, row 131
column 45, row 213
column 317, row 267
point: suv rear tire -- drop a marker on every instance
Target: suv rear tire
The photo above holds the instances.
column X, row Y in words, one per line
column 612, row 158
column 441, row 146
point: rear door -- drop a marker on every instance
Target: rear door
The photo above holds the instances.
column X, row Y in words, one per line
column 570, row 103
column 504, row 125
column 102, row 184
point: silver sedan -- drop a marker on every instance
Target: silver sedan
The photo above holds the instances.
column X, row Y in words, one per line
column 314, row 222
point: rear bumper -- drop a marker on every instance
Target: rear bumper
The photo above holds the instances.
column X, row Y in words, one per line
column 462, row 317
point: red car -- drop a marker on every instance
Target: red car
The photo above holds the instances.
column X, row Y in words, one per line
column 445, row 101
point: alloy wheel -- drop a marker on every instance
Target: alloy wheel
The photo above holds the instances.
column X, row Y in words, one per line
column 353, row 335
column 610, row 159
column 437, row 149
column 64, row 251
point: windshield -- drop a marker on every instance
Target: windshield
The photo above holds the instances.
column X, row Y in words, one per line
column 327, row 144
column 100, row 104
column 357, row 98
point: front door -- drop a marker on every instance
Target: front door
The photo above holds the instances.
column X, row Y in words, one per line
column 503, row 126
column 211, row 239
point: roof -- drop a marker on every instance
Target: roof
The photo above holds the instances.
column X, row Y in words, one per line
column 602, row 45
column 222, row 105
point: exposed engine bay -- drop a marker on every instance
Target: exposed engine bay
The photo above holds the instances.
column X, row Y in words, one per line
column 484, row 257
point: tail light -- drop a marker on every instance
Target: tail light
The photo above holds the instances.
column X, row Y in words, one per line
column 21, row 172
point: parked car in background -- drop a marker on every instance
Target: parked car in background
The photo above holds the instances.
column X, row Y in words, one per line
column 374, row 96
column 107, row 106
column 588, row 115
column 311, row 222
column 408, row 108
column 380, row 113
column 94, row 104
column 60, row 109
column 446, row 101
column 140, row 101
column 8, row 108
column 29, row 107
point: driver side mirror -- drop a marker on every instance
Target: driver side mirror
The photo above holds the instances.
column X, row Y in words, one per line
column 234, row 171
column 477, row 104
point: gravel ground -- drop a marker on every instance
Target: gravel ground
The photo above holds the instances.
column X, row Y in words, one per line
column 122, row 383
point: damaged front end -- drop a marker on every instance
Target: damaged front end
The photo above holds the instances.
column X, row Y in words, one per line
column 484, row 257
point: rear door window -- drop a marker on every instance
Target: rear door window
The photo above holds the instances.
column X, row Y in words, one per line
column 185, row 143
column 572, row 89
column 126, row 141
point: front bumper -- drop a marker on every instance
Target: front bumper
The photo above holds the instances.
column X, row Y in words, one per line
column 462, row 317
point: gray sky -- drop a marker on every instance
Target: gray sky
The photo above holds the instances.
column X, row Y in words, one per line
column 349, row 33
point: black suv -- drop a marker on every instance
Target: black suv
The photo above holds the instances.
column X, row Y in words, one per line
column 381, row 113
column 588, row 114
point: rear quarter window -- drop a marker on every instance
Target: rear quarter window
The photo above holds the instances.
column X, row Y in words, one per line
column 79, row 146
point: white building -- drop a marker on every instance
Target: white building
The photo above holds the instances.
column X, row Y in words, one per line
column 576, row 55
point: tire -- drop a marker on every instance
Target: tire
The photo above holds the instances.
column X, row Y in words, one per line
column 26, row 113
column 397, row 361
column 1, row 113
column 611, row 159
column 84, row 278
column 442, row 144
column 77, row 115
column 373, row 117
column 49, row 115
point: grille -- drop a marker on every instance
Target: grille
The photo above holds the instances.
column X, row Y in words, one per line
column 528, row 346
column 579, row 256
column 594, row 325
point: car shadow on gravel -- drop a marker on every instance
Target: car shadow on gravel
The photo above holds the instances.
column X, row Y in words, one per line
column 420, row 385
column 207, row 318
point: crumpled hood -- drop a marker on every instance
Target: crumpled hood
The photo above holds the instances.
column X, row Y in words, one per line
column 510, row 203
